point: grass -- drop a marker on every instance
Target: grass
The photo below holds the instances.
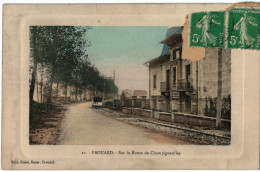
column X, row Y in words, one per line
column 40, row 109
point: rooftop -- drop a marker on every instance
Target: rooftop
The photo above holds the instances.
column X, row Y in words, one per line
column 171, row 33
column 173, row 36
column 140, row 93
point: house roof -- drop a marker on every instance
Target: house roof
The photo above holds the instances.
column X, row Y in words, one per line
column 174, row 38
column 170, row 34
column 140, row 92
column 161, row 59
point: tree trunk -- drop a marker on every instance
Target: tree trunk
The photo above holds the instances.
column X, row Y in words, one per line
column 49, row 98
column 38, row 92
column 76, row 94
column 219, row 99
column 85, row 94
column 66, row 89
column 80, row 96
column 31, row 92
column 32, row 86
column 57, row 90
column 41, row 87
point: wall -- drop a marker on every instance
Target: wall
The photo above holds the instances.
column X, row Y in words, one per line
column 126, row 110
column 188, row 119
column 159, row 78
column 165, row 117
column 208, row 76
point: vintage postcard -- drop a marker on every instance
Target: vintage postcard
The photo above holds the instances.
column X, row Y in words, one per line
column 131, row 86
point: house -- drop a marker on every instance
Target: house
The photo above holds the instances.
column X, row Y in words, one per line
column 140, row 93
column 181, row 85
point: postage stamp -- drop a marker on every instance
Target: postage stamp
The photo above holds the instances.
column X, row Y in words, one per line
column 244, row 28
column 116, row 86
column 207, row 29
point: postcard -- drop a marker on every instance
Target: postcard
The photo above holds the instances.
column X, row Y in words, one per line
column 130, row 86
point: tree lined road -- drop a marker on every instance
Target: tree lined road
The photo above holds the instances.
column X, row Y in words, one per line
column 84, row 126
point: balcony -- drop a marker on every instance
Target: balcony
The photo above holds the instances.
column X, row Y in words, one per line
column 183, row 85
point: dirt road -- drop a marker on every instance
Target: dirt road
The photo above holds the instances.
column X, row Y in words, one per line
column 84, row 126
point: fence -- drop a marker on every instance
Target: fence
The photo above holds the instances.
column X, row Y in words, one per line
column 142, row 107
column 211, row 107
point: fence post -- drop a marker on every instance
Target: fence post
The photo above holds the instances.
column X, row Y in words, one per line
column 143, row 102
column 153, row 100
column 133, row 103
column 173, row 116
column 123, row 102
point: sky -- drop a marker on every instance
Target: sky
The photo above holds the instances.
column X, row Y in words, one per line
column 125, row 49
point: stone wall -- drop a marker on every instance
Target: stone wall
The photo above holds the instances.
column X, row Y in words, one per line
column 138, row 112
column 188, row 119
column 126, row 110
column 166, row 117
column 147, row 113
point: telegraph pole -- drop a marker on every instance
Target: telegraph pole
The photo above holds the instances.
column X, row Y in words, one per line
column 219, row 99
column 104, row 91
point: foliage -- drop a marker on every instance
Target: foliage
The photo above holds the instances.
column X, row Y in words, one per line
column 226, row 107
column 211, row 107
column 116, row 103
column 62, row 52
column 39, row 109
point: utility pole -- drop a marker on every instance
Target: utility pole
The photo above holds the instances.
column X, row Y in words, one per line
column 113, row 91
column 104, row 91
column 114, row 77
column 197, row 87
column 219, row 99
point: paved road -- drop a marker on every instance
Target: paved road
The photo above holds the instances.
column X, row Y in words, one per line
column 84, row 126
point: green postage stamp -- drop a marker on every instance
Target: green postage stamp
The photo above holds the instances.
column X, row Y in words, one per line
column 242, row 26
column 207, row 29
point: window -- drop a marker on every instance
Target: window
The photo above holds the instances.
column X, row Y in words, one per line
column 174, row 76
column 178, row 54
column 167, row 79
column 173, row 54
column 188, row 75
column 154, row 81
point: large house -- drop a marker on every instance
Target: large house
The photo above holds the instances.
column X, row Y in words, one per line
column 181, row 85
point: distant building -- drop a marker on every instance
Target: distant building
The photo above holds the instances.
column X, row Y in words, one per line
column 180, row 85
column 140, row 93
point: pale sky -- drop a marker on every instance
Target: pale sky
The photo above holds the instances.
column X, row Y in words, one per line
column 125, row 49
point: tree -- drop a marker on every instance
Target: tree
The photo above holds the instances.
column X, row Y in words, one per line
column 33, row 53
column 61, row 52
